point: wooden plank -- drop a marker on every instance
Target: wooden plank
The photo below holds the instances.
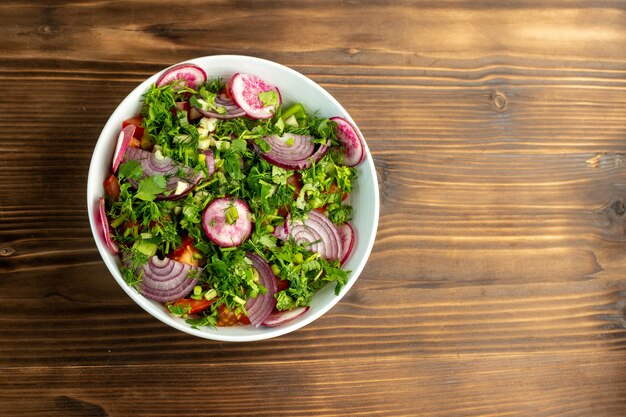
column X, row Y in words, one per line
column 496, row 286
column 384, row 386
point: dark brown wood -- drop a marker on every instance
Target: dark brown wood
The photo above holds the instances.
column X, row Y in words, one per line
column 497, row 284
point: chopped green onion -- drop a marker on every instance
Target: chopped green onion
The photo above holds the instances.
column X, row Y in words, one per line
column 210, row 294
column 231, row 215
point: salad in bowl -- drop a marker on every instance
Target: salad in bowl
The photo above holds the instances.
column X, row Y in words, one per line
column 233, row 198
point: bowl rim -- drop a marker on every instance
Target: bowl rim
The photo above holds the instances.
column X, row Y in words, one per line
column 147, row 305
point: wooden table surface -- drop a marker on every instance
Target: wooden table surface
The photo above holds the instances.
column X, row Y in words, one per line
column 497, row 283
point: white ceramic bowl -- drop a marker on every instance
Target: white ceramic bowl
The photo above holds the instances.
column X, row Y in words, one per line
column 294, row 87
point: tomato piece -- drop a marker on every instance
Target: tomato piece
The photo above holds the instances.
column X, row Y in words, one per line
column 281, row 284
column 295, row 181
column 226, row 91
column 194, row 306
column 135, row 121
column 187, row 253
column 112, row 187
column 229, row 318
column 134, row 143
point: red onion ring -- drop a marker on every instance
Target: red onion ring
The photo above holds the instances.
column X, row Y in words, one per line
column 150, row 166
column 281, row 317
column 317, row 233
column 285, row 160
column 260, row 307
column 232, row 109
column 166, row 280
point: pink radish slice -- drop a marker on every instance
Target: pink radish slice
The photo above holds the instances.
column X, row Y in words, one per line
column 105, row 228
column 216, row 227
column 347, row 236
column 278, row 318
column 189, row 75
column 122, row 144
column 245, row 90
column 351, row 140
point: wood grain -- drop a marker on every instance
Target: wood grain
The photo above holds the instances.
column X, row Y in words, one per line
column 496, row 286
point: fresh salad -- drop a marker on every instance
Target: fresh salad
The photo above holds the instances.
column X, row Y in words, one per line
column 226, row 204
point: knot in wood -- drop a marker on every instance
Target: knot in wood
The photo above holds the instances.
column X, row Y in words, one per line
column 618, row 208
column 499, row 101
column 6, row 251
column 44, row 29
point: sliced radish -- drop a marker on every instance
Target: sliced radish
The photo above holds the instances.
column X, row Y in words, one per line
column 351, row 140
column 122, row 144
column 245, row 90
column 226, row 221
column 188, row 75
column 347, row 236
column 278, row 318
column 105, row 228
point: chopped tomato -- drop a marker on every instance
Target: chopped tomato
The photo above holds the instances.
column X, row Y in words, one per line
column 331, row 190
column 283, row 211
column 229, row 318
column 194, row 306
column 334, row 188
column 134, row 143
column 135, row 121
column 112, row 187
column 281, row 284
column 187, row 253
column 226, row 91
column 295, row 181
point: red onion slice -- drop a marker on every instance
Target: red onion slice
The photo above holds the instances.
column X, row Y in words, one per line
column 294, row 159
column 151, row 165
column 278, row 318
column 232, row 110
column 260, row 307
column 317, row 233
column 348, row 237
column 166, row 280
column 210, row 162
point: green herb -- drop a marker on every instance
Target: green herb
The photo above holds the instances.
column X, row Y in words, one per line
column 150, row 187
column 130, row 170
column 269, row 98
